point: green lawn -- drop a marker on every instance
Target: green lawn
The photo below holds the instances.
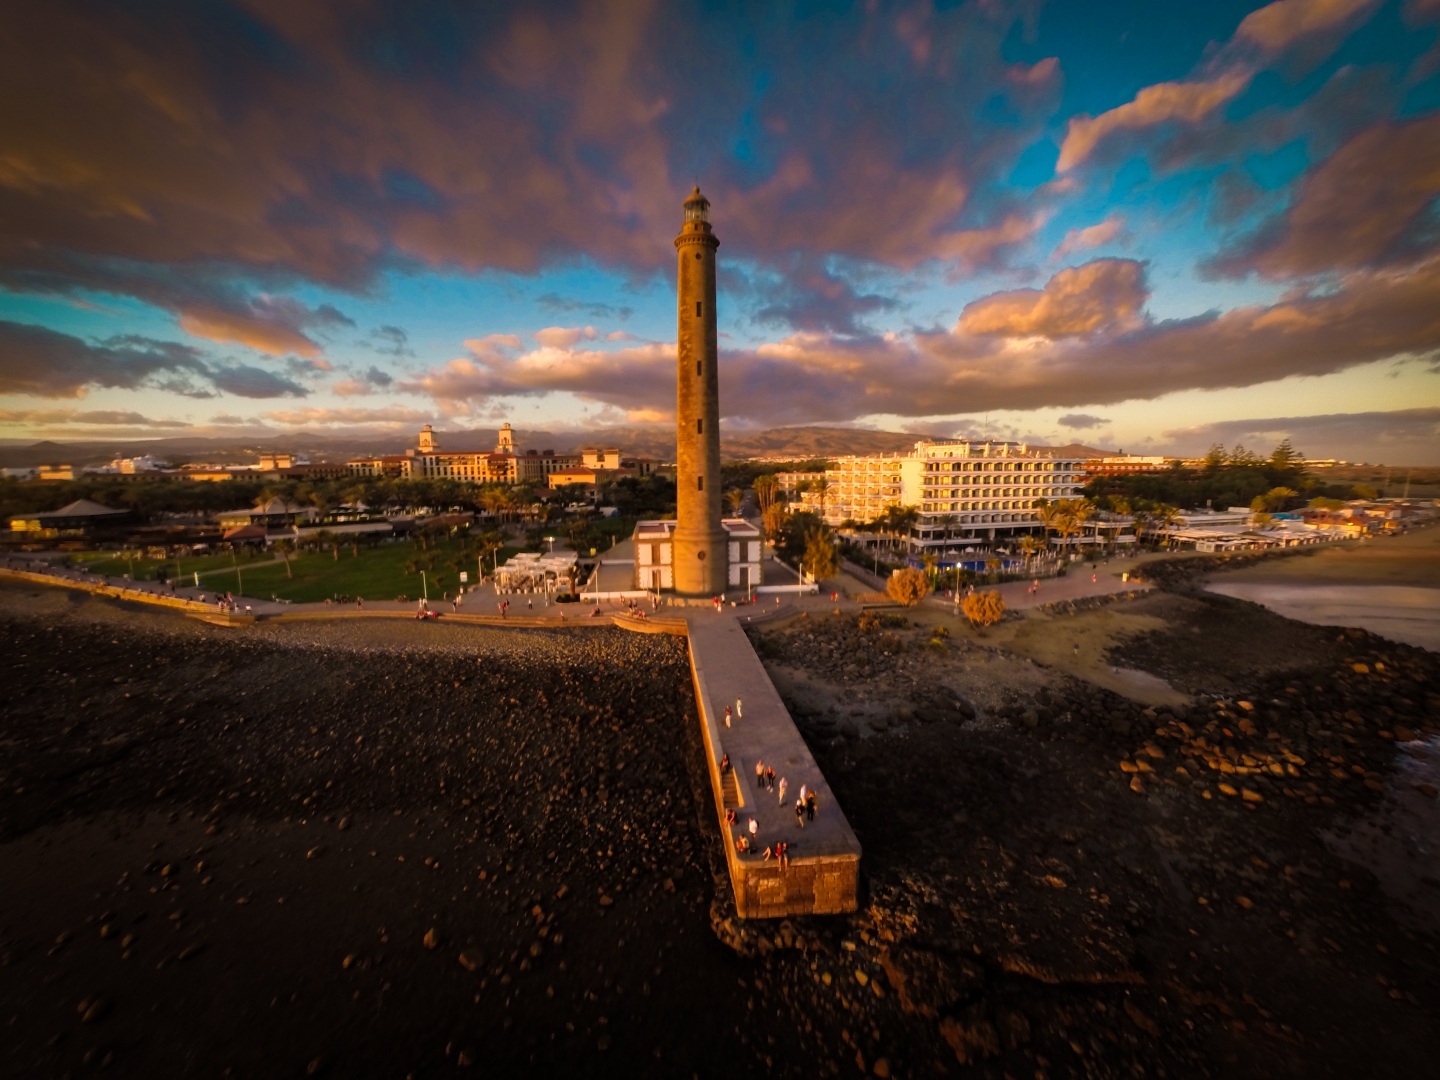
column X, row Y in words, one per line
column 146, row 569
column 376, row 573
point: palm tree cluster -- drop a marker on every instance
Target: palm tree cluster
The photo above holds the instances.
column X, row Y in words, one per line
column 1065, row 517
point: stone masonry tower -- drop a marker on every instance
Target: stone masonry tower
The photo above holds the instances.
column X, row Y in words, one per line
column 700, row 547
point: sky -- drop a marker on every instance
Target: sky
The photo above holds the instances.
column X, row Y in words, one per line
column 1140, row 226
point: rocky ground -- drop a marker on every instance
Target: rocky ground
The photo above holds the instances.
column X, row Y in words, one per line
column 1065, row 882
column 391, row 849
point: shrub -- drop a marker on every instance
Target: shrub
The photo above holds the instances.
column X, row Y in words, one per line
column 984, row 608
column 939, row 632
column 908, row 587
column 868, row 621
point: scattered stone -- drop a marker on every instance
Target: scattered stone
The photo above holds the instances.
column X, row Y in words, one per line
column 431, row 938
column 472, row 959
column 94, row 1009
column 1143, row 1022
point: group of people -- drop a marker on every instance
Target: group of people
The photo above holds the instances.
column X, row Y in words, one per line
column 766, row 780
column 227, row 603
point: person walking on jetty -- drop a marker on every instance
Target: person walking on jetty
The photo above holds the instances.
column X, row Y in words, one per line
column 727, row 715
column 754, row 831
column 799, row 814
column 724, row 764
column 810, row 807
column 782, row 791
column 759, row 773
column 769, row 779
column 738, row 713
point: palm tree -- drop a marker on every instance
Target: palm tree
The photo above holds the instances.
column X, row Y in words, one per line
column 1167, row 517
column 820, row 487
column 735, row 498
column 1029, row 545
column 765, row 487
column 283, row 548
column 1081, row 511
column 1050, row 514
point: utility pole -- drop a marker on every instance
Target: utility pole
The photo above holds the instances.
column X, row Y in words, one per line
column 425, row 586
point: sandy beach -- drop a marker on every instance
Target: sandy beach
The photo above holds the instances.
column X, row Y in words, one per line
column 1390, row 586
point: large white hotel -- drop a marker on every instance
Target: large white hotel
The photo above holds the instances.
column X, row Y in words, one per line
column 968, row 493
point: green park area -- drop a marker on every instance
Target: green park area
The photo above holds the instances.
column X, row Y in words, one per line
column 113, row 564
column 379, row 572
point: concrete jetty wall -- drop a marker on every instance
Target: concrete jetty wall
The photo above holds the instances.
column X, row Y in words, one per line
column 824, row 863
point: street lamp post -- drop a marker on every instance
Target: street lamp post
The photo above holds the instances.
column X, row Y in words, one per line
column 425, row 586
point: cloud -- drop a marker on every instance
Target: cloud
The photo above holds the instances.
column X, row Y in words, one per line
column 1286, row 28
column 1082, row 421
column 390, row 414
column 1084, row 338
column 803, row 294
column 1370, row 203
column 244, row 380
column 1279, row 24
column 1187, row 101
column 189, row 160
column 562, row 337
column 596, row 310
column 46, row 363
column 107, row 417
column 1092, row 236
column 1101, row 294
column 649, row 416
column 1401, row 437
column 391, row 340
column 269, row 324
column 363, row 383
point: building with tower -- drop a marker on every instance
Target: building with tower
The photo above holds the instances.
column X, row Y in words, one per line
column 426, row 461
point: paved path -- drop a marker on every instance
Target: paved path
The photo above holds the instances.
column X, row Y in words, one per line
column 727, row 669
column 1075, row 585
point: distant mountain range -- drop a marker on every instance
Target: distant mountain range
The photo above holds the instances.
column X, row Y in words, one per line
column 793, row 443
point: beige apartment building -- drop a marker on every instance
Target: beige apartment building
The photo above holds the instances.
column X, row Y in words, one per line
column 967, row 492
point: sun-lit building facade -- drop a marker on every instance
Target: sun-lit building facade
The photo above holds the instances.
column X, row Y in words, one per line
column 966, row 492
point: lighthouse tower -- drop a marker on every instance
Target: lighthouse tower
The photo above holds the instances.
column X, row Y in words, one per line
column 700, row 539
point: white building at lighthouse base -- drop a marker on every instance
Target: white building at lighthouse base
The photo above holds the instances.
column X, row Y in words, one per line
column 654, row 555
